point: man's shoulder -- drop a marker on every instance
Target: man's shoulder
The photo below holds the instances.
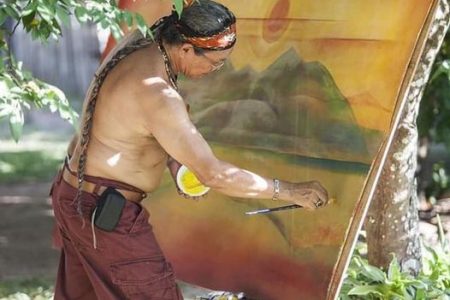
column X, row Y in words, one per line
column 135, row 68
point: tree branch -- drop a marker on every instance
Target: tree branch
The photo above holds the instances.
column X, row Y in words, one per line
column 14, row 28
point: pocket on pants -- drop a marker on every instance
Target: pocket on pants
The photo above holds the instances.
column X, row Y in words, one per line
column 134, row 219
column 147, row 278
column 69, row 208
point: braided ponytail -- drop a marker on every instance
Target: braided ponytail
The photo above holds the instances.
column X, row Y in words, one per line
column 91, row 101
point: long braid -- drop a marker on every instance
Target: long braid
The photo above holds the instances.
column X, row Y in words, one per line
column 129, row 48
column 91, row 102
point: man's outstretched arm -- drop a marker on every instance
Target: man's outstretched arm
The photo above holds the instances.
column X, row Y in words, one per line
column 169, row 123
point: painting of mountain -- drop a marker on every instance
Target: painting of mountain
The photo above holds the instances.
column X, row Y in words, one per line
column 291, row 107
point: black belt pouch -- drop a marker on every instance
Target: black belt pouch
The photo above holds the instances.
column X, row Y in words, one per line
column 109, row 209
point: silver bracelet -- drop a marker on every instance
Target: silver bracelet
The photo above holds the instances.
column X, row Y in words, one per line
column 276, row 189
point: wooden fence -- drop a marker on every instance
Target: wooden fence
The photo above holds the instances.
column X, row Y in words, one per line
column 69, row 63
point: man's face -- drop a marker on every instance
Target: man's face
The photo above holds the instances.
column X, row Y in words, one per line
column 199, row 65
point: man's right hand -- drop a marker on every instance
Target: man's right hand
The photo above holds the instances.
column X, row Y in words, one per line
column 310, row 195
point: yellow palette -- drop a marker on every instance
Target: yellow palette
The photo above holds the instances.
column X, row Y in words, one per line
column 189, row 183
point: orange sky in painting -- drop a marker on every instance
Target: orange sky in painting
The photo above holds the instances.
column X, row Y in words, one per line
column 364, row 44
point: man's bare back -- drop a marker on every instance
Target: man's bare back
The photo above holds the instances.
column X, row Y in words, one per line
column 121, row 147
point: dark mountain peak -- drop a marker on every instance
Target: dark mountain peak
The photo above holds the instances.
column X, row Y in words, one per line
column 289, row 58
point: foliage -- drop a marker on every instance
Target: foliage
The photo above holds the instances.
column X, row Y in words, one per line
column 43, row 20
column 433, row 121
column 370, row 282
column 439, row 182
column 18, row 90
column 434, row 117
column 364, row 281
column 33, row 288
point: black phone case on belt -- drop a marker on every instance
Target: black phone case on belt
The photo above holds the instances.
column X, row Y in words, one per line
column 109, row 209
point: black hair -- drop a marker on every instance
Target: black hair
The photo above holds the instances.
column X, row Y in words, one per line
column 203, row 18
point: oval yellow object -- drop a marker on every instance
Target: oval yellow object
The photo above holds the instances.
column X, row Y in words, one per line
column 189, row 183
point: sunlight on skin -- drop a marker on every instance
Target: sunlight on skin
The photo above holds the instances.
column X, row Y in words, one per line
column 113, row 160
column 169, row 92
column 259, row 183
column 153, row 80
column 256, row 182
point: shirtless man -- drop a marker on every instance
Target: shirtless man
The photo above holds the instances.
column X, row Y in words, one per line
column 133, row 121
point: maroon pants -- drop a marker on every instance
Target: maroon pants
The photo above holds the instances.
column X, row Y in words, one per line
column 126, row 263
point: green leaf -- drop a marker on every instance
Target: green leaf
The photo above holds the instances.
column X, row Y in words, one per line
column 35, row 34
column 28, row 19
column 4, row 89
column 374, row 273
column 365, row 290
column 178, row 7
column 141, row 24
column 12, row 11
column 30, row 8
column 45, row 30
column 105, row 23
column 82, row 14
column 67, row 113
column 16, row 121
column 56, row 29
column 3, row 16
column 63, row 15
column 57, row 92
column 394, row 269
column 128, row 18
column 116, row 31
column 419, row 285
column 5, row 110
column 46, row 12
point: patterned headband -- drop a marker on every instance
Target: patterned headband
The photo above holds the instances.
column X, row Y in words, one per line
column 187, row 3
column 220, row 41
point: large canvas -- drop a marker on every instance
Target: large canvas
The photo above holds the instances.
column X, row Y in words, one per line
column 309, row 93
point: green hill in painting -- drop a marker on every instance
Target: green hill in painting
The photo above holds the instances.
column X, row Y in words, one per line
column 291, row 107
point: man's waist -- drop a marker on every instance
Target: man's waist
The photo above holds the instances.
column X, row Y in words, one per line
column 99, row 185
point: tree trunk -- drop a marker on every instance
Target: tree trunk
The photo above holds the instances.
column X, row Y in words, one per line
column 392, row 220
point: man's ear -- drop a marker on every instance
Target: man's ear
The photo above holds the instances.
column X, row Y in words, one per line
column 186, row 48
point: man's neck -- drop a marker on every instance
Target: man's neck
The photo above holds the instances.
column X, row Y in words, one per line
column 174, row 62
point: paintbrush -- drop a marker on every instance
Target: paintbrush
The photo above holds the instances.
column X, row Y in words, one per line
column 269, row 210
column 286, row 207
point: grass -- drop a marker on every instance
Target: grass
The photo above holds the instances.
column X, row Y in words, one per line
column 28, row 166
column 25, row 289
column 35, row 158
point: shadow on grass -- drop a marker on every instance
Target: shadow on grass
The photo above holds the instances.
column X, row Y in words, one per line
column 28, row 166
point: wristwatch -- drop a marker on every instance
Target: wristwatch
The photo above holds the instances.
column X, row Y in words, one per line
column 276, row 189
